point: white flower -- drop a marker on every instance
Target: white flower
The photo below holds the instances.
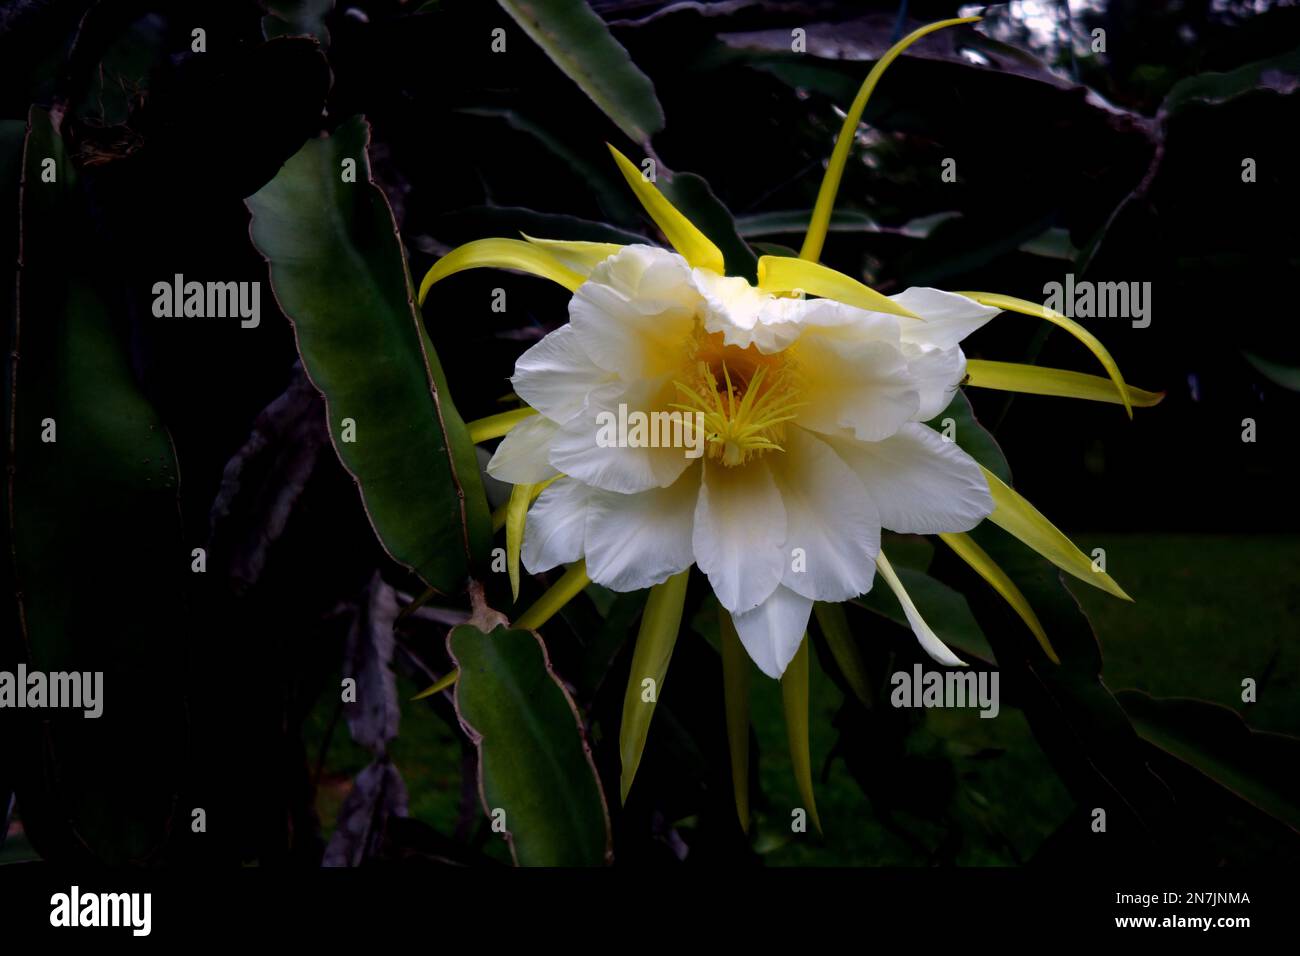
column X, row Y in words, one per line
column 813, row 439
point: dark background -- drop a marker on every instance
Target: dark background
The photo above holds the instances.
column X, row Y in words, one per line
column 1068, row 161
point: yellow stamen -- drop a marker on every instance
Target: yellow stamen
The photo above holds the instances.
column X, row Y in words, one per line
column 744, row 414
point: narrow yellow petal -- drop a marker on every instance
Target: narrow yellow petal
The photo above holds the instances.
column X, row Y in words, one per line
column 786, row 274
column 925, row 636
column 794, row 695
column 501, row 254
column 1019, row 518
column 735, row 694
column 499, row 516
column 439, row 685
column 494, row 426
column 557, row 595
column 655, row 640
column 697, row 248
column 970, row 552
column 1036, row 380
column 821, row 217
column 516, row 515
column 835, row 628
column 1025, row 307
column 576, row 254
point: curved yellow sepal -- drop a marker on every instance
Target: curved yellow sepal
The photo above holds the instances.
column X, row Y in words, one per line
column 695, row 247
column 1025, row 307
column 787, row 274
column 821, row 217
column 794, row 697
column 499, row 516
column 1013, row 514
column 735, row 697
column 576, row 254
column 835, row 629
column 501, row 254
column 1036, row 380
column 534, row 491
column 494, row 426
column 965, row 548
column 557, row 595
column 660, row 622
column 516, row 514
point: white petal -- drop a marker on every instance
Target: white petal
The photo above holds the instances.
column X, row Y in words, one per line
column 921, row 483
column 937, row 373
column 770, row 323
column 926, row 637
column 581, row 447
column 773, row 631
column 635, row 315
column 732, row 306
column 863, row 386
column 829, row 517
column 555, row 527
column 523, row 457
column 556, row 374
column 739, row 530
column 949, row 317
column 636, row 541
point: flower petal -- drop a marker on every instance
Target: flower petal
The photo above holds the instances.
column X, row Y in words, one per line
column 746, row 316
column 635, row 315
column 576, row 254
column 655, row 640
column 500, row 254
column 928, row 640
column 949, row 317
column 636, row 541
column 1093, row 344
column 735, row 696
column 498, row 425
column 794, row 699
column 830, row 518
column 937, row 373
column 555, row 375
column 966, row 548
column 1013, row 514
column 821, row 217
column 521, row 497
column 787, row 274
column 920, row 482
column 683, row 234
column 773, row 631
column 523, row 457
column 585, row 448
column 864, row 386
column 740, row 527
column 1037, row 380
column 556, row 525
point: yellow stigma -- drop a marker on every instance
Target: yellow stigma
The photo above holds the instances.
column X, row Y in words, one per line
column 744, row 396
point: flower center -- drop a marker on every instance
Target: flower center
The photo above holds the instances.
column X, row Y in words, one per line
column 746, row 397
